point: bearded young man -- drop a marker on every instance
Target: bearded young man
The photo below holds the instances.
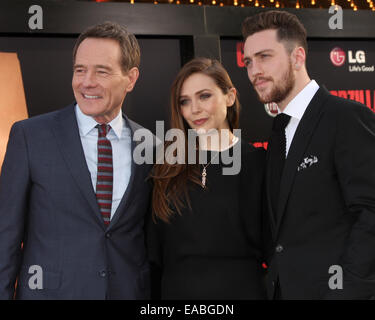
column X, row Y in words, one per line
column 320, row 181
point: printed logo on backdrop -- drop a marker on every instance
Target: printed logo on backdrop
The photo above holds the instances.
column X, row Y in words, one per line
column 271, row 109
column 337, row 56
column 239, row 54
column 356, row 60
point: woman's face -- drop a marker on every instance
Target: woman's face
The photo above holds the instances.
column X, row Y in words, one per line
column 203, row 104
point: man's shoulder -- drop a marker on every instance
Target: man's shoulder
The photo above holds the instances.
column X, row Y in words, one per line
column 139, row 132
column 346, row 112
column 134, row 126
column 43, row 119
column 344, row 105
column 132, row 123
column 335, row 107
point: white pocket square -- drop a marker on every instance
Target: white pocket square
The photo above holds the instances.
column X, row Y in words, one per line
column 307, row 162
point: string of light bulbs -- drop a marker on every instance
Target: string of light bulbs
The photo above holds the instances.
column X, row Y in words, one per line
column 299, row 4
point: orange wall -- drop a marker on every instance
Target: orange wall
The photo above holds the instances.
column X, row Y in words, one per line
column 12, row 97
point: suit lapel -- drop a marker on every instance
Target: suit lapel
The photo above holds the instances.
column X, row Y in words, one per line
column 268, row 195
column 67, row 135
column 133, row 181
column 297, row 149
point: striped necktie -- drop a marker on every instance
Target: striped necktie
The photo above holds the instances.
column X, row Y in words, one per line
column 104, row 182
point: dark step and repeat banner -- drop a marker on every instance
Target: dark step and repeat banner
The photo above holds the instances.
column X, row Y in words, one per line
column 345, row 67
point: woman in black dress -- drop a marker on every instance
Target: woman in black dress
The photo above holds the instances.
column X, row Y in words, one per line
column 205, row 233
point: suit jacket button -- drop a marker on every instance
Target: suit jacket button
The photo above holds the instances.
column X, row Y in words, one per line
column 279, row 248
column 108, row 235
column 103, row 273
column 273, row 283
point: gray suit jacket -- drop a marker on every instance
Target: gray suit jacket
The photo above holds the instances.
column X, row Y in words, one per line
column 47, row 203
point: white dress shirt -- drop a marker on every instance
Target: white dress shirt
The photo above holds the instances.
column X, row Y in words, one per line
column 296, row 108
column 120, row 137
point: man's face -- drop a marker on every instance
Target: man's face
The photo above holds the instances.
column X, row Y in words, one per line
column 269, row 66
column 99, row 84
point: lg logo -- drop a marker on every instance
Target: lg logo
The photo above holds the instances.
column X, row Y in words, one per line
column 338, row 56
column 358, row 58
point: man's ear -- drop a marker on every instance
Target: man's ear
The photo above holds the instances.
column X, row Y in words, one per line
column 298, row 58
column 231, row 97
column 133, row 75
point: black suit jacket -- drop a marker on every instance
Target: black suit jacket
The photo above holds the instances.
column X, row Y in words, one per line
column 47, row 202
column 326, row 210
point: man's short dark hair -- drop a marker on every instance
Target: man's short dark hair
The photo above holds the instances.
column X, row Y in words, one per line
column 289, row 29
column 130, row 52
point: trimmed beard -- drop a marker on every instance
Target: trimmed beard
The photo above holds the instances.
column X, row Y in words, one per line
column 280, row 91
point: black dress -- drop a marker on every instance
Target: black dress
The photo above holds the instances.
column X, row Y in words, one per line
column 214, row 251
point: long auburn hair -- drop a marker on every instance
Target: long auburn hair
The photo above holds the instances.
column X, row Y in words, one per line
column 171, row 180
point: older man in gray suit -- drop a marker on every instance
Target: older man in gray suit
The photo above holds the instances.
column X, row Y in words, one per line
column 70, row 191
